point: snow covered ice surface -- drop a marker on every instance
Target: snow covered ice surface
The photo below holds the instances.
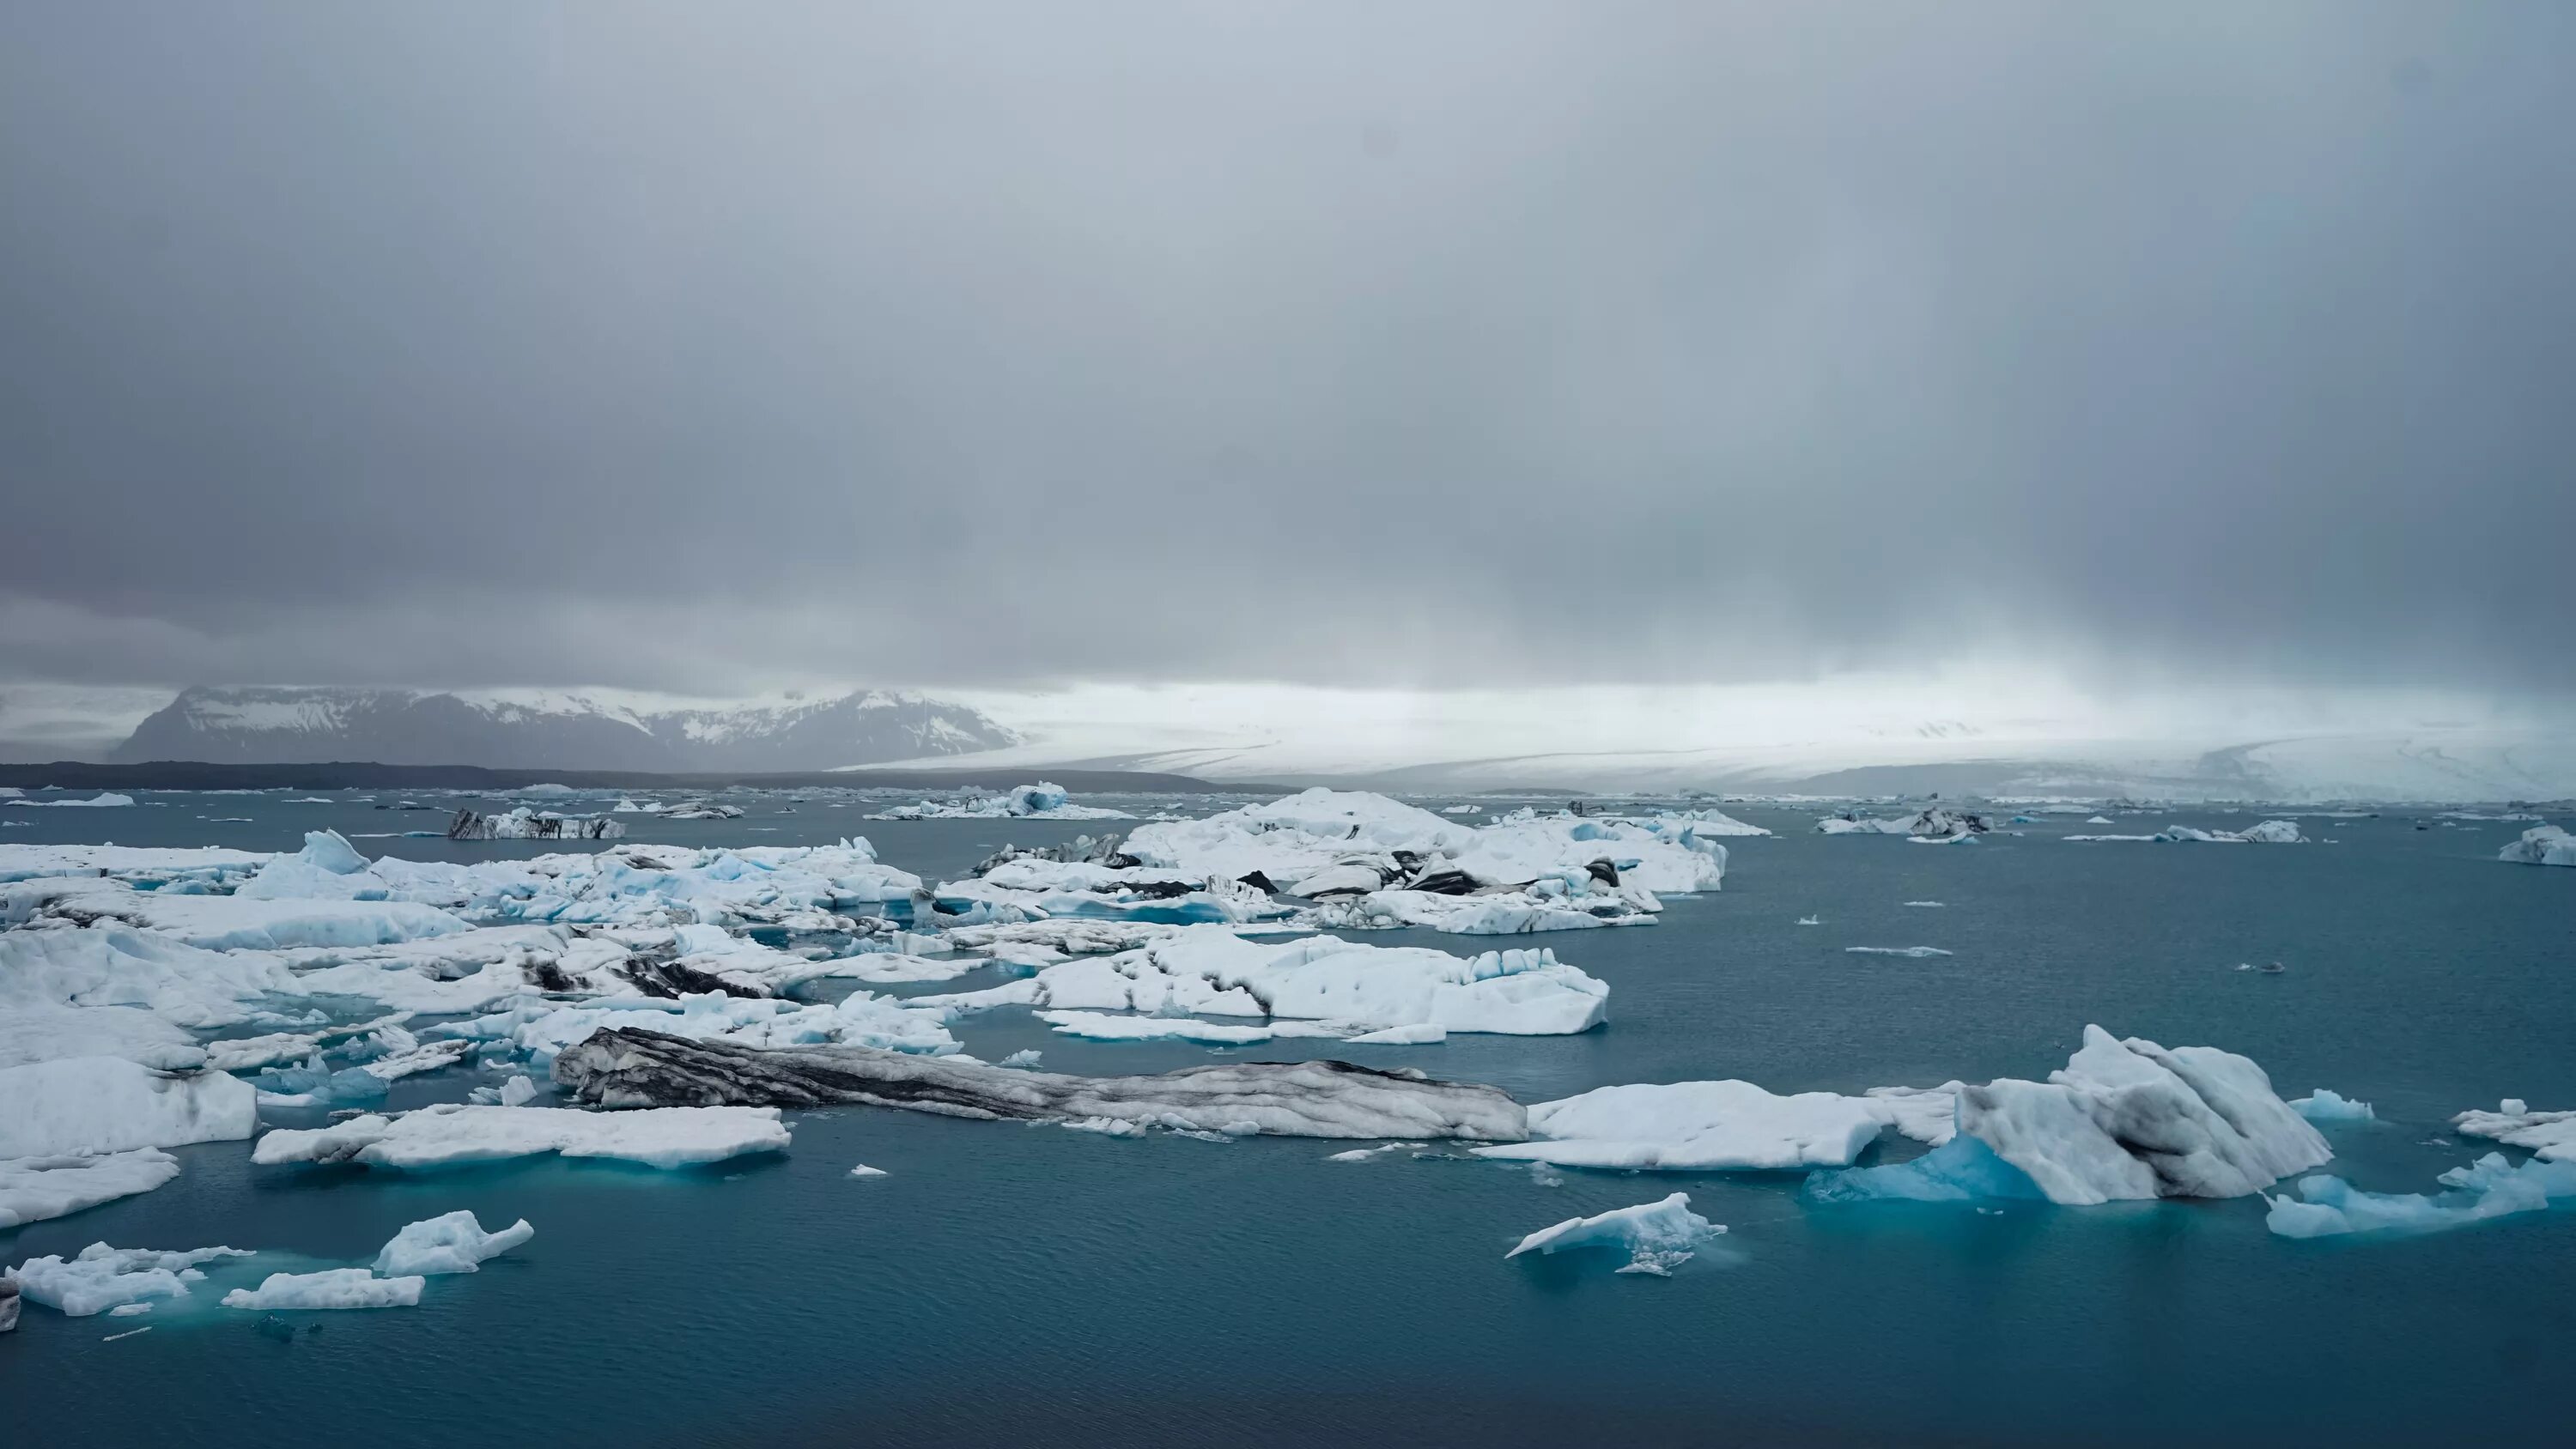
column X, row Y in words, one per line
column 1210, row 971
column 449, row 1135
column 33, row 1189
column 330, row 1288
column 101, row 1278
column 87, row 1105
column 1723, row 1126
column 1659, row 1236
column 452, row 1243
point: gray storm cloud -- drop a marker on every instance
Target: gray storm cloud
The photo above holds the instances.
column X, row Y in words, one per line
column 711, row 348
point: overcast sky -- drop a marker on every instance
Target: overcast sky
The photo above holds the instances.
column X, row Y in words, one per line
column 723, row 348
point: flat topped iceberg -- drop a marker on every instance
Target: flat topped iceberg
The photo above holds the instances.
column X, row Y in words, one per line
column 1211, row 971
column 2488, row 1188
column 89, row 1105
column 2541, row 845
column 1723, row 1126
column 452, row 1243
column 1291, row 838
column 33, row 1189
column 451, row 1135
column 330, row 1288
column 102, row 1277
column 1305, row 1099
column 1934, row 822
column 1659, row 1235
column 2551, row 1135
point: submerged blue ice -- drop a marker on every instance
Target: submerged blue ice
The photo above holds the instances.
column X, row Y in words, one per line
column 2488, row 1188
column 1960, row 1170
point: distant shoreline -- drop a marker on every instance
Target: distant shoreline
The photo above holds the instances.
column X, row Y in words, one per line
column 349, row 775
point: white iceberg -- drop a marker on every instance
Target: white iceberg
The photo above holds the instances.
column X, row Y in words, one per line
column 79, row 1106
column 2550, row 1135
column 2541, row 845
column 452, row 1243
column 102, row 1277
column 33, row 1189
column 1209, row 971
column 1722, row 1126
column 111, row 964
column 330, row 1288
column 1934, row 822
column 1042, row 801
column 1659, row 1235
column 450, row 1135
column 2269, row 832
column 1915, row 952
column 1545, row 906
column 102, row 801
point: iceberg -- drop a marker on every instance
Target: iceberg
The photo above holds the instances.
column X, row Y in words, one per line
column 102, row 801
column 524, row 823
column 1916, row 952
column 452, row 1243
column 1659, row 1236
column 1100, row 1026
column 1722, row 1126
column 330, row 1288
column 629, row 1068
column 33, row 1189
column 2541, row 845
column 1042, row 801
column 450, row 1135
column 2269, row 832
column 112, row 964
column 1292, row 838
column 2325, row 1106
column 102, row 1277
column 1547, row 906
column 83, row 1106
column 2549, row 1135
column 1934, row 822
column 1208, row 970
column 2487, row 1188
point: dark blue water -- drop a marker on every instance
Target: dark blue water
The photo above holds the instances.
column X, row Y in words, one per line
column 1011, row 1284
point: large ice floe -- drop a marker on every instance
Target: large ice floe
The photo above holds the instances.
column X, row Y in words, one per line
column 2269, row 832
column 1659, row 1236
column 33, row 1189
column 2549, row 1135
column 101, row 1278
column 1933, row 822
column 1042, row 801
column 86, row 1106
column 451, row 1135
column 2541, row 845
column 329, row 1288
column 628, row 1068
column 1208, row 970
column 2122, row 1120
column 1724, row 1126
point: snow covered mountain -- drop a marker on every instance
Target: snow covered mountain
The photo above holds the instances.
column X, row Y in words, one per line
column 290, row 725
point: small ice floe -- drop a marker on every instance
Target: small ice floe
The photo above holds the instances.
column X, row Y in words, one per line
column 33, row 1189
column 102, row 1277
column 330, row 1288
column 2322, row 1105
column 863, row 1170
column 1659, row 1236
column 2552, row 1135
column 453, row 1134
column 1026, row 1059
column 2488, row 1188
column 1917, row 952
column 453, row 1243
column 95, row 1105
column 1809, row 921
column 1924, row 905
column 2099, row 820
column 1365, row 1154
column 516, row 1092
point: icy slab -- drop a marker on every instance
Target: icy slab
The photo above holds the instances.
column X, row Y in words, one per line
column 451, row 1135
column 2488, row 1188
column 117, row 965
column 33, row 1189
column 862, row 1018
column 1100, row 1026
column 96, row 802
column 1422, row 1034
column 102, row 1277
column 1291, row 838
column 1932, row 823
column 1668, row 857
column 1306, row 1099
column 2541, row 845
column 452, row 1243
column 525, row 823
column 2322, row 1105
column 2551, row 1135
column 1659, row 1236
column 205, row 866
column 1210, row 971
column 246, row 923
column 1915, row 952
column 43, row 1033
column 2269, row 832
column 1503, row 913
column 1043, row 943
column 1722, row 1126
column 330, row 1288
column 863, row 1170
column 94, row 1105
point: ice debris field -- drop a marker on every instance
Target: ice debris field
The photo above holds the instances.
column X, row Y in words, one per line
column 671, row 1007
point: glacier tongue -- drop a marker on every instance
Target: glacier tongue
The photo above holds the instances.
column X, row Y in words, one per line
column 623, row 1067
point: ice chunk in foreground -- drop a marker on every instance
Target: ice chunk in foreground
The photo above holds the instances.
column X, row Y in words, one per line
column 103, row 1277
column 33, row 1189
column 449, row 1135
column 2487, row 1188
column 330, row 1288
column 87, row 1105
column 1659, row 1236
column 2325, row 1106
column 621, row 1068
column 1724, row 1126
column 452, row 1243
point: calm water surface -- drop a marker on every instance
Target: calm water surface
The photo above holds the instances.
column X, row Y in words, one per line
column 1010, row 1284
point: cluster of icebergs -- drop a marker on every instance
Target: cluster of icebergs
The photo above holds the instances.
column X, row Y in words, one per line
column 130, row 1282
column 2269, row 832
column 1044, row 800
